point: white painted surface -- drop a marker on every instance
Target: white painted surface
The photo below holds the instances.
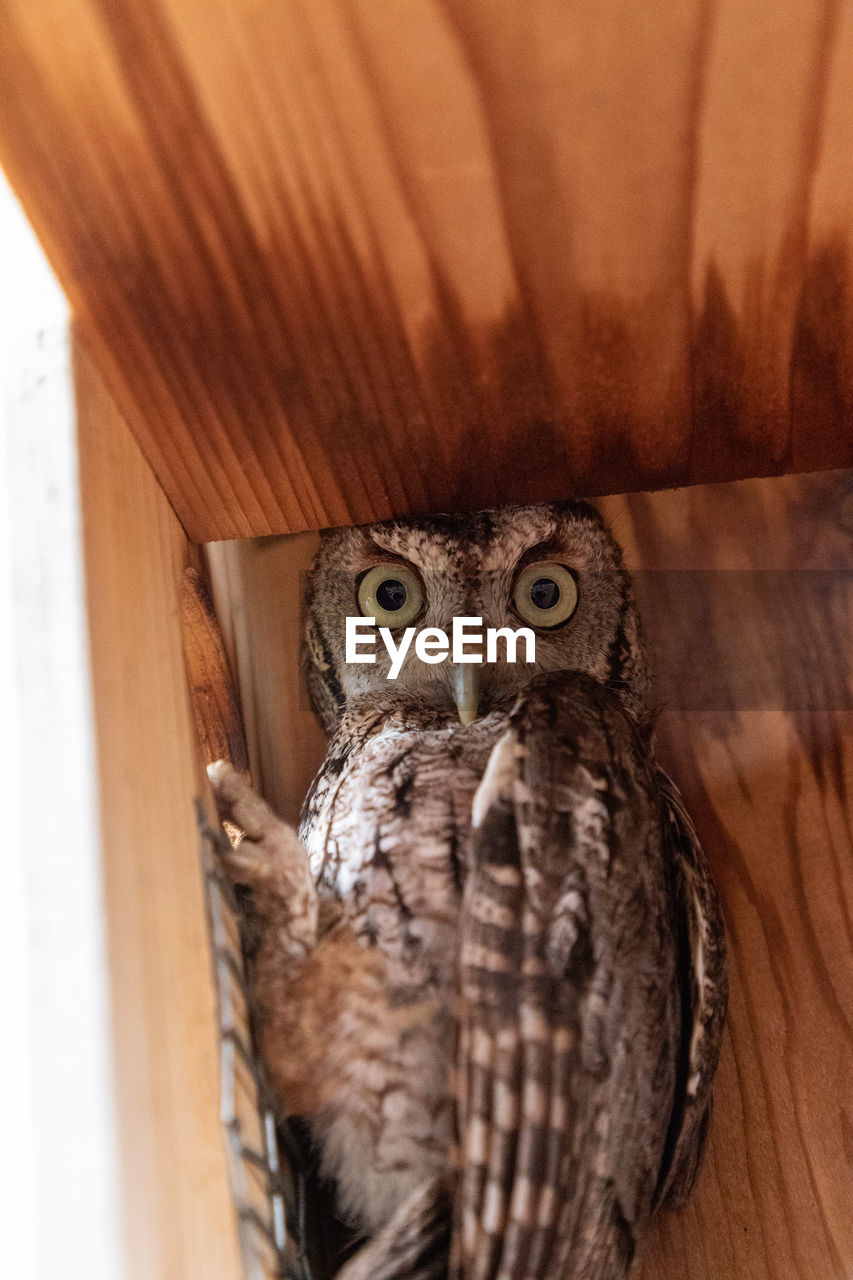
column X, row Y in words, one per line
column 59, row 1168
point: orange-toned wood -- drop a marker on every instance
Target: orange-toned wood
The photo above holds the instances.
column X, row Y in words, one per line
column 747, row 595
column 177, row 1210
column 213, row 693
column 747, row 591
column 258, row 588
column 344, row 258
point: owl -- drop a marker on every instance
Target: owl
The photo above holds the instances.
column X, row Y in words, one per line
column 490, row 970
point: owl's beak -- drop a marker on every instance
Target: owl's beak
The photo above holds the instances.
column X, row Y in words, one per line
column 467, row 685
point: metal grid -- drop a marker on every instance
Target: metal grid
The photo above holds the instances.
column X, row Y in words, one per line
column 266, row 1183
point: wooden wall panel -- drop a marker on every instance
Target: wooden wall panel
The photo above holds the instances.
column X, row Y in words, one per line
column 747, row 592
column 340, row 259
column 178, row 1219
column 257, row 588
column 747, row 596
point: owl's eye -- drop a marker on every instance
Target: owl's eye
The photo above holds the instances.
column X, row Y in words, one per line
column 546, row 594
column 391, row 594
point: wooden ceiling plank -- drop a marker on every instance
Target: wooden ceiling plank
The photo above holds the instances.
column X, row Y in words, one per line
column 308, row 208
column 345, row 260
column 760, row 126
column 596, row 215
column 822, row 373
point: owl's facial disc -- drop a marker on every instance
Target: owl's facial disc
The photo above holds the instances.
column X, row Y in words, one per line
column 396, row 596
column 541, row 595
column 552, row 568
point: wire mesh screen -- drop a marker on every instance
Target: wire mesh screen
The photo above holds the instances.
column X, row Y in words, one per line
column 266, row 1181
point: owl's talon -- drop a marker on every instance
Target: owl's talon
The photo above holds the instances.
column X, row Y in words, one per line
column 238, row 803
column 247, row 862
column 271, row 861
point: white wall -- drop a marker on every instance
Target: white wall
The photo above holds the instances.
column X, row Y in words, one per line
column 58, row 1172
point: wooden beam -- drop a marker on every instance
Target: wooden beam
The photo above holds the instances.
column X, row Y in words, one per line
column 177, row 1213
column 340, row 259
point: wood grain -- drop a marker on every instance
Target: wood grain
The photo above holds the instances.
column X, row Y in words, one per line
column 747, row 595
column 340, row 259
column 754, row 583
column 257, row 589
column 178, row 1218
column 213, row 692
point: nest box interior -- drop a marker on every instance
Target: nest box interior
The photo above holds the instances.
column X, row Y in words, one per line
column 330, row 261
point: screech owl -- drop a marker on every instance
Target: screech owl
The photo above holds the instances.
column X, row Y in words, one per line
column 491, row 972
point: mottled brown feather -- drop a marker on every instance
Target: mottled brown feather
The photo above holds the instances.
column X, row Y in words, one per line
column 580, row 854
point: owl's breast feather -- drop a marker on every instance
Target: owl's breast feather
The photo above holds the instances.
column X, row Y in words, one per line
column 387, row 834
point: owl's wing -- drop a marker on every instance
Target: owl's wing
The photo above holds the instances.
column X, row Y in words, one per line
column 704, row 993
column 569, row 1019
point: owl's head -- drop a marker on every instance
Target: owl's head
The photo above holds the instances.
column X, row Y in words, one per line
column 553, row 568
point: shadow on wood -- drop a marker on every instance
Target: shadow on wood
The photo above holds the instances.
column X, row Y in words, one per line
column 345, row 260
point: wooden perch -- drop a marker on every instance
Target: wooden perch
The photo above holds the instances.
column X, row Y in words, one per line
column 345, row 258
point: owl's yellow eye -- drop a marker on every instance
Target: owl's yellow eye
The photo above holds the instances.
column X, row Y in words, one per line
column 391, row 594
column 545, row 594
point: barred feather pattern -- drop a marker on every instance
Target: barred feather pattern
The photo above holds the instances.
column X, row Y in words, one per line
column 569, row 1012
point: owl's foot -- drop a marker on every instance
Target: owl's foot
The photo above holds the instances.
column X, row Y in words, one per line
column 270, row 860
